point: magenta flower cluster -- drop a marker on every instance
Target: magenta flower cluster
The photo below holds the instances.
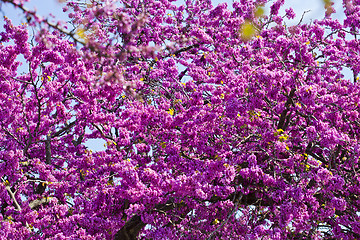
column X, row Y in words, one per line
column 219, row 122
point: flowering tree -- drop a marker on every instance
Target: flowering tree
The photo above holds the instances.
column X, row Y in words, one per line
column 219, row 122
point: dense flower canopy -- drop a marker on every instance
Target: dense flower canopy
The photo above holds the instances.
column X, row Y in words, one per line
column 220, row 122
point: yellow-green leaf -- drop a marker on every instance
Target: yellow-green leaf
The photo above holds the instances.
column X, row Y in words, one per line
column 247, row 30
column 259, row 11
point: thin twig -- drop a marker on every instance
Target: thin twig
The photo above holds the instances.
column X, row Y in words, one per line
column 12, row 195
column 227, row 219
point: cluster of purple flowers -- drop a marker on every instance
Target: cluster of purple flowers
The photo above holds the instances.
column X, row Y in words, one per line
column 218, row 122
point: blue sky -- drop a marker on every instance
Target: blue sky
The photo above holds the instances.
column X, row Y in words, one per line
column 46, row 7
